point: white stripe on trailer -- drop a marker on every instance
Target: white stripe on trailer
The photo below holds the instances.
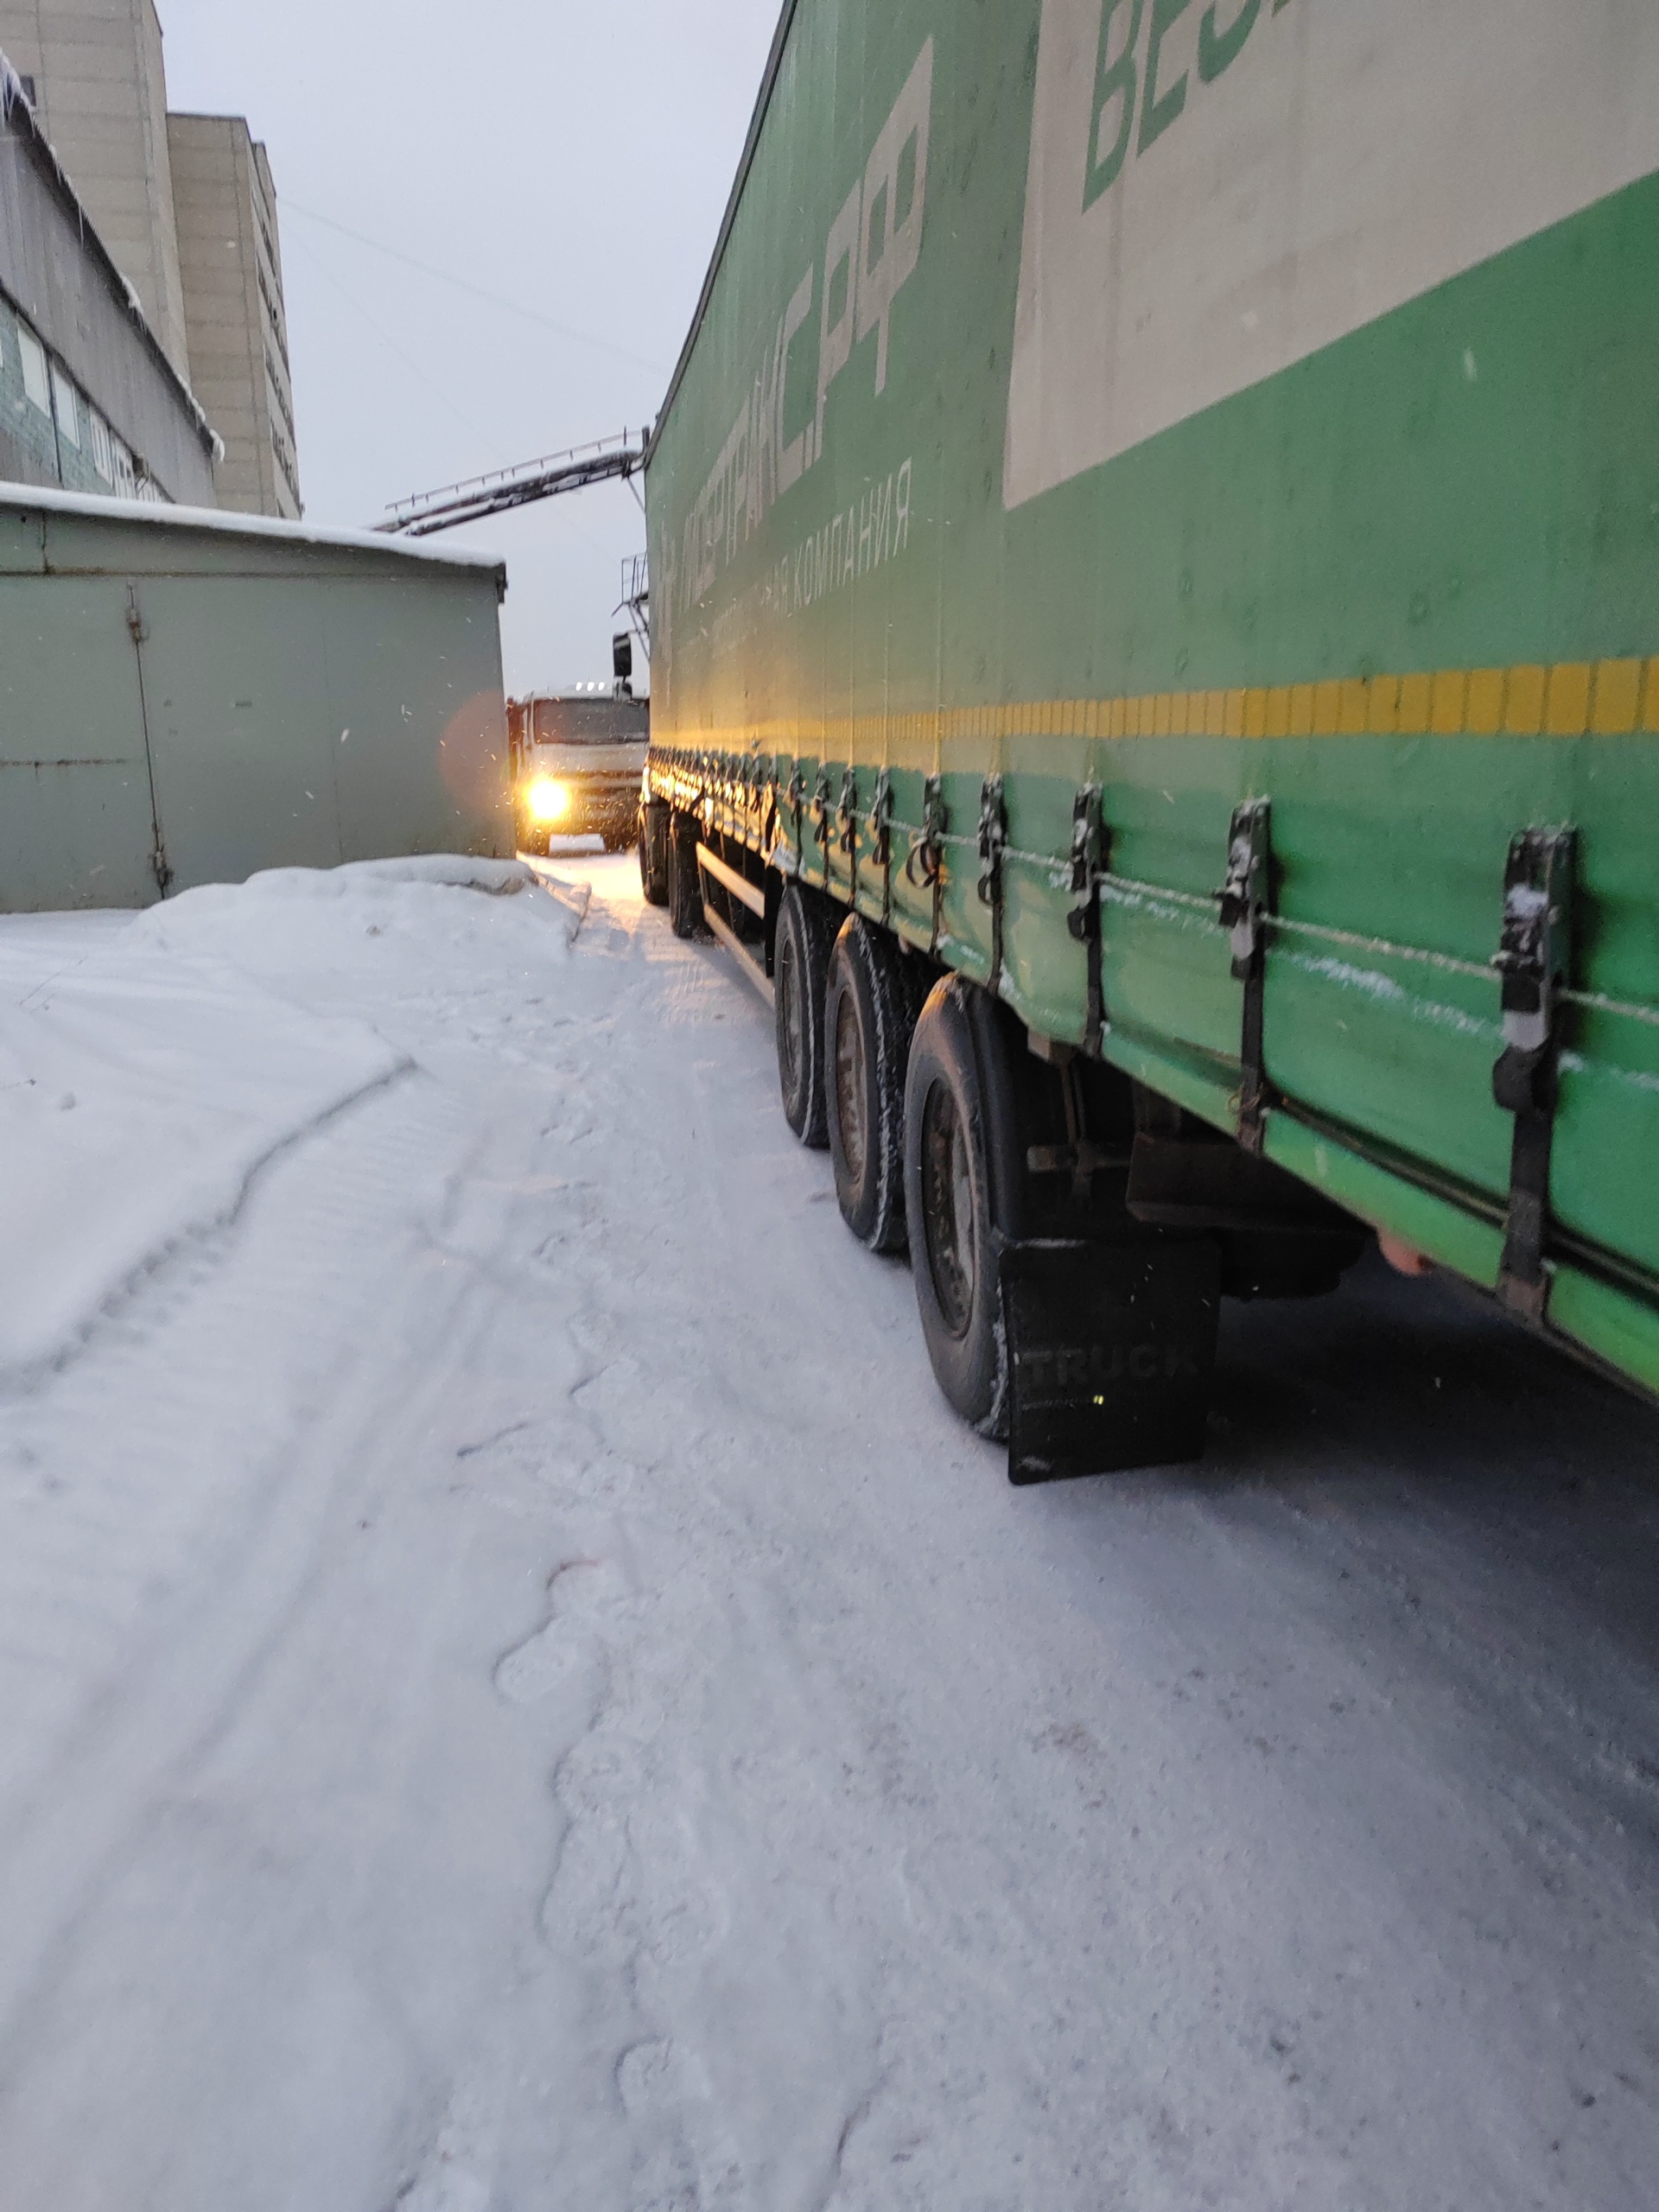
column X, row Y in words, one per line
column 1185, row 239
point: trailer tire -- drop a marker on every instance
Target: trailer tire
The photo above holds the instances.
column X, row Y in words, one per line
column 654, row 852
column 870, row 1015
column 800, row 969
column 948, row 1204
column 684, row 888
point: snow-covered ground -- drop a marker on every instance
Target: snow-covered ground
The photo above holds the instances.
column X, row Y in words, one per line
column 515, row 1692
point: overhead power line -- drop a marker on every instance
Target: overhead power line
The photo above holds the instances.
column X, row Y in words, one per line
column 397, row 352
column 478, row 291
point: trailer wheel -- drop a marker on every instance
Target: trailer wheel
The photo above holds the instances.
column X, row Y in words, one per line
column 870, row 1015
column 948, row 1204
column 800, row 967
column 684, row 891
column 654, row 853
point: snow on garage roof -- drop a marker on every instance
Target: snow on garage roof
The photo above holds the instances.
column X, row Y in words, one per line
column 48, row 499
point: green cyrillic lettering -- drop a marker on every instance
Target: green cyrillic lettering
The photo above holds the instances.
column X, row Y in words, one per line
column 1218, row 48
column 1114, row 80
column 1157, row 114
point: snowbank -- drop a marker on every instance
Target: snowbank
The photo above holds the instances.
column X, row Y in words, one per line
column 143, row 1091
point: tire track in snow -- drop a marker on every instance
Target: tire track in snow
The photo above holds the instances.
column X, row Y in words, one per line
column 127, row 1742
column 202, row 1240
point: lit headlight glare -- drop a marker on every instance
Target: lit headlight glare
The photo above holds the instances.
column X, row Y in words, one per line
column 547, row 801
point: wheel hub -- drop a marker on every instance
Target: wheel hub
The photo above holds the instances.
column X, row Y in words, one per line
column 850, row 1086
column 948, row 1209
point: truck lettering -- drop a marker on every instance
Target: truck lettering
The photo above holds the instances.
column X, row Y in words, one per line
column 901, row 512
column 895, row 185
column 871, row 252
column 1217, row 49
column 1122, row 78
column 1074, row 1371
column 1158, row 114
column 840, row 285
column 795, row 458
column 1116, row 84
column 859, row 538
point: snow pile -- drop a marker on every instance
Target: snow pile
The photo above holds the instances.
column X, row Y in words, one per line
column 140, row 1096
column 452, row 871
column 135, row 1109
column 410, row 928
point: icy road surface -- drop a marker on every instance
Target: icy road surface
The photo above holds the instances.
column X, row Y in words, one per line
column 515, row 1692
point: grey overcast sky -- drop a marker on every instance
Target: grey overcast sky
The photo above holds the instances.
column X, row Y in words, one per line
column 573, row 160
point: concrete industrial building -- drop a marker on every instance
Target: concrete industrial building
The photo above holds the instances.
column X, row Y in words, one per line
column 230, row 260
column 88, row 398
column 186, row 206
column 94, row 73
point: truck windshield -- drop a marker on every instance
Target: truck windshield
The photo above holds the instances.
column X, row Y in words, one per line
column 592, row 721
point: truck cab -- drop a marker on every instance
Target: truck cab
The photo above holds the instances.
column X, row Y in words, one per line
column 577, row 757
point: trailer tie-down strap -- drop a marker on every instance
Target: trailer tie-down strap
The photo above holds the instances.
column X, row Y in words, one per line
column 847, row 830
column 1090, row 858
column 798, row 801
column 993, row 843
column 924, row 862
column 1246, row 907
column 1534, row 959
column 881, row 828
column 823, row 820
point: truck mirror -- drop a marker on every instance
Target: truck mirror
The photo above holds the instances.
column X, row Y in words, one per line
column 622, row 663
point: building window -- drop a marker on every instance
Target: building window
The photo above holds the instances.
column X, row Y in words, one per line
column 125, row 484
column 36, row 382
column 63, row 393
column 103, row 453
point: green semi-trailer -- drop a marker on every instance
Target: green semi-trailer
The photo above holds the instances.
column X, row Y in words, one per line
column 1155, row 550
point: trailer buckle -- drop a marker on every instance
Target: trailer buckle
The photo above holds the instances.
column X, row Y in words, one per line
column 1533, row 958
column 993, row 843
column 1245, row 900
column 1090, row 852
column 847, row 813
column 880, row 831
column 823, row 819
column 795, row 795
column 924, row 862
column 847, row 830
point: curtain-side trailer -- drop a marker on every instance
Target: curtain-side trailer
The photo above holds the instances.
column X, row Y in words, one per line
column 1155, row 549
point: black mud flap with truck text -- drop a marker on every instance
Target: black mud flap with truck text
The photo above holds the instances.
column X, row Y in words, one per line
column 1112, row 1349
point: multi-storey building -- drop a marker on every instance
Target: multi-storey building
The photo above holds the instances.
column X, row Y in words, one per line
column 93, row 72
column 185, row 207
column 89, row 398
column 230, row 263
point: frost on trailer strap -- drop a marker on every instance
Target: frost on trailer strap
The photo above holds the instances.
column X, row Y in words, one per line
column 1152, row 521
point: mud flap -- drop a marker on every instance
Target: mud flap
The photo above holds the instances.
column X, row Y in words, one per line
column 1111, row 1351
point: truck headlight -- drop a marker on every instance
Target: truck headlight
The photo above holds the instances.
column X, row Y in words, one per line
column 547, row 801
